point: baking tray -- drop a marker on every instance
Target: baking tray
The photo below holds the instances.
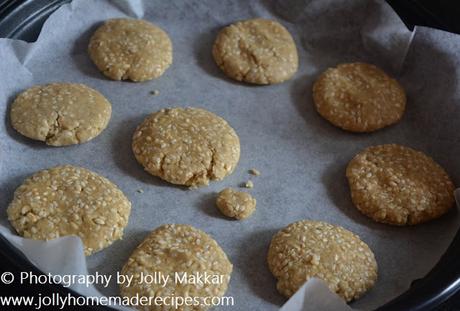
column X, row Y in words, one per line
column 24, row 19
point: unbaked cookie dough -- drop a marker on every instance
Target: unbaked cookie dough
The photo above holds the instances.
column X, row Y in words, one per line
column 258, row 51
column 131, row 49
column 180, row 253
column 307, row 249
column 60, row 113
column 186, row 146
column 69, row 200
column 359, row 97
column 235, row 204
column 398, row 185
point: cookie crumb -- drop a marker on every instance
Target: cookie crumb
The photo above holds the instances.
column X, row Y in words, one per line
column 254, row 172
column 155, row 92
column 140, row 191
column 235, row 204
column 249, row 184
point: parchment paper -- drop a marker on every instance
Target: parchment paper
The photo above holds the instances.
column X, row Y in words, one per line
column 301, row 156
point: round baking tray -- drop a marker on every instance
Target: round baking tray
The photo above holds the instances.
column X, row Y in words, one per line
column 24, row 19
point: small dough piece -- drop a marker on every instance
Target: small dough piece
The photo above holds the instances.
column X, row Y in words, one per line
column 254, row 172
column 177, row 251
column 131, row 49
column 70, row 200
column 186, row 146
column 258, row 51
column 249, row 184
column 398, row 185
column 236, row 204
column 60, row 113
column 307, row 249
column 359, row 97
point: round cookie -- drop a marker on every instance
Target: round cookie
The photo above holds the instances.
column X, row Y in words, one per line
column 359, row 97
column 235, row 204
column 69, row 200
column 186, row 146
column 60, row 113
column 177, row 252
column 258, row 51
column 398, row 185
column 130, row 49
column 307, row 249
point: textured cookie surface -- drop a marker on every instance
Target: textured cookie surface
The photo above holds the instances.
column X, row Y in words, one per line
column 398, row 185
column 130, row 49
column 306, row 249
column 186, row 146
column 69, row 200
column 176, row 251
column 359, row 97
column 257, row 51
column 60, row 113
column 235, row 204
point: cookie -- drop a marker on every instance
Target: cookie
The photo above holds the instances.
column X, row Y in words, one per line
column 69, row 200
column 186, row 146
column 258, row 51
column 359, row 97
column 131, row 49
column 398, row 185
column 177, row 255
column 307, row 249
column 60, row 113
column 235, row 204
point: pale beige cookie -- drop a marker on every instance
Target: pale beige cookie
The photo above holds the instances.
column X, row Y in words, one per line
column 359, row 97
column 186, row 146
column 236, row 204
column 69, row 200
column 131, row 49
column 60, row 113
column 398, row 185
column 307, row 249
column 259, row 51
column 177, row 252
